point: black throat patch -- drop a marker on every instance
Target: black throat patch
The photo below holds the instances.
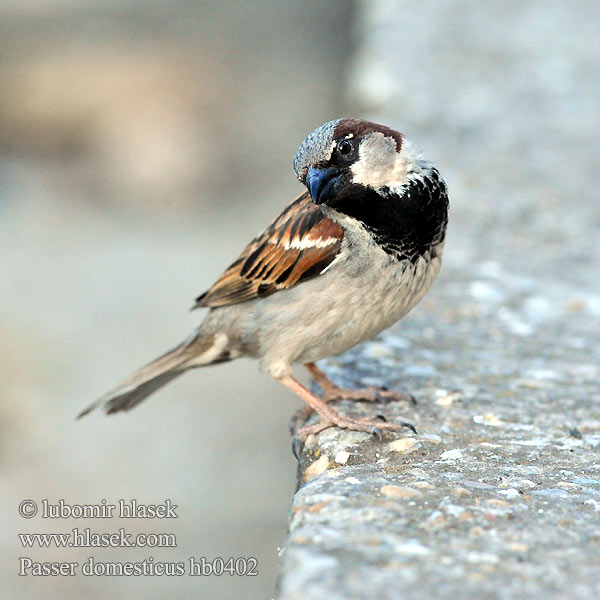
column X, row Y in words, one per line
column 406, row 224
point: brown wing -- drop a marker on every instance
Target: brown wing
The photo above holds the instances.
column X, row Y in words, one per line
column 298, row 245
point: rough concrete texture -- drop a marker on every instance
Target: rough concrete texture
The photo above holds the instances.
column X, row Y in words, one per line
column 498, row 495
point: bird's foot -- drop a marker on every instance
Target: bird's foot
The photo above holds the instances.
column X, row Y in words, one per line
column 366, row 394
column 371, row 425
column 330, row 418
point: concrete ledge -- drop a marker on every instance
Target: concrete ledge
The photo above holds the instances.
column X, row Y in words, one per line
column 476, row 505
column 498, row 496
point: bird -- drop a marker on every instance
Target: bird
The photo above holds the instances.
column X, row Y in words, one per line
column 348, row 258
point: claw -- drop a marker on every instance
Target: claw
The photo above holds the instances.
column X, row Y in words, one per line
column 410, row 426
column 295, row 442
column 412, row 400
column 292, row 423
column 377, row 433
column 381, row 418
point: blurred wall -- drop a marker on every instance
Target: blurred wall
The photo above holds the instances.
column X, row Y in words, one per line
column 142, row 144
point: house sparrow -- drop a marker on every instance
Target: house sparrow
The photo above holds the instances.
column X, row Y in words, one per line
column 344, row 261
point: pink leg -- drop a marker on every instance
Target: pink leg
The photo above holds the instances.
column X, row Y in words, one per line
column 330, row 417
column 368, row 394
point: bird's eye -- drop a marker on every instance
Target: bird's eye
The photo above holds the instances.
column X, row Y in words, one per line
column 344, row 147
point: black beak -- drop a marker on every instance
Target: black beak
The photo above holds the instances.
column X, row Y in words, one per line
column 322, row 183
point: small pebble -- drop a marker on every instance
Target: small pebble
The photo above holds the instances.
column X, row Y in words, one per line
column 396, row 491
column 422, row 474
column 342, row 457
column 497, row 502
column 412, row 548
column 402, row 445
column 424, row 485
column 452, row 454
column 488, row 419
column 446, row 400
column 566, row 485
column 316, row 468
column 525, row 483
column 352, row 480
column 510, row 493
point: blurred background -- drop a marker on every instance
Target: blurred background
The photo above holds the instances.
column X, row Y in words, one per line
column 142, row 144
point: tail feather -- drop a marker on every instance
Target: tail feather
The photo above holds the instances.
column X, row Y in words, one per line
column 154, row 375
column 125, row 398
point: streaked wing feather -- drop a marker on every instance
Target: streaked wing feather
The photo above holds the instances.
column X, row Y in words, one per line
column 298, row 245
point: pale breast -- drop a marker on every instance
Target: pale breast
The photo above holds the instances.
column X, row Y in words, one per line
column 374, row 304
column 360, row 296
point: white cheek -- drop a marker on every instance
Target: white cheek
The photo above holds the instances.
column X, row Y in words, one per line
column 379, row 164
column 376, row 161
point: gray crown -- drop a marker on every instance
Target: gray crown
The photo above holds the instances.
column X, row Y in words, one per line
column 315, row 148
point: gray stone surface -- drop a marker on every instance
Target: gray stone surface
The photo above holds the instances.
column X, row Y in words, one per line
column 498, row 495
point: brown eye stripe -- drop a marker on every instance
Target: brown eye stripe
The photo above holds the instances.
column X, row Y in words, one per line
column 358, row 128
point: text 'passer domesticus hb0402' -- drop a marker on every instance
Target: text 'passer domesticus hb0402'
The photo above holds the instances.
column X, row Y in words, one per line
column 347, row 259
